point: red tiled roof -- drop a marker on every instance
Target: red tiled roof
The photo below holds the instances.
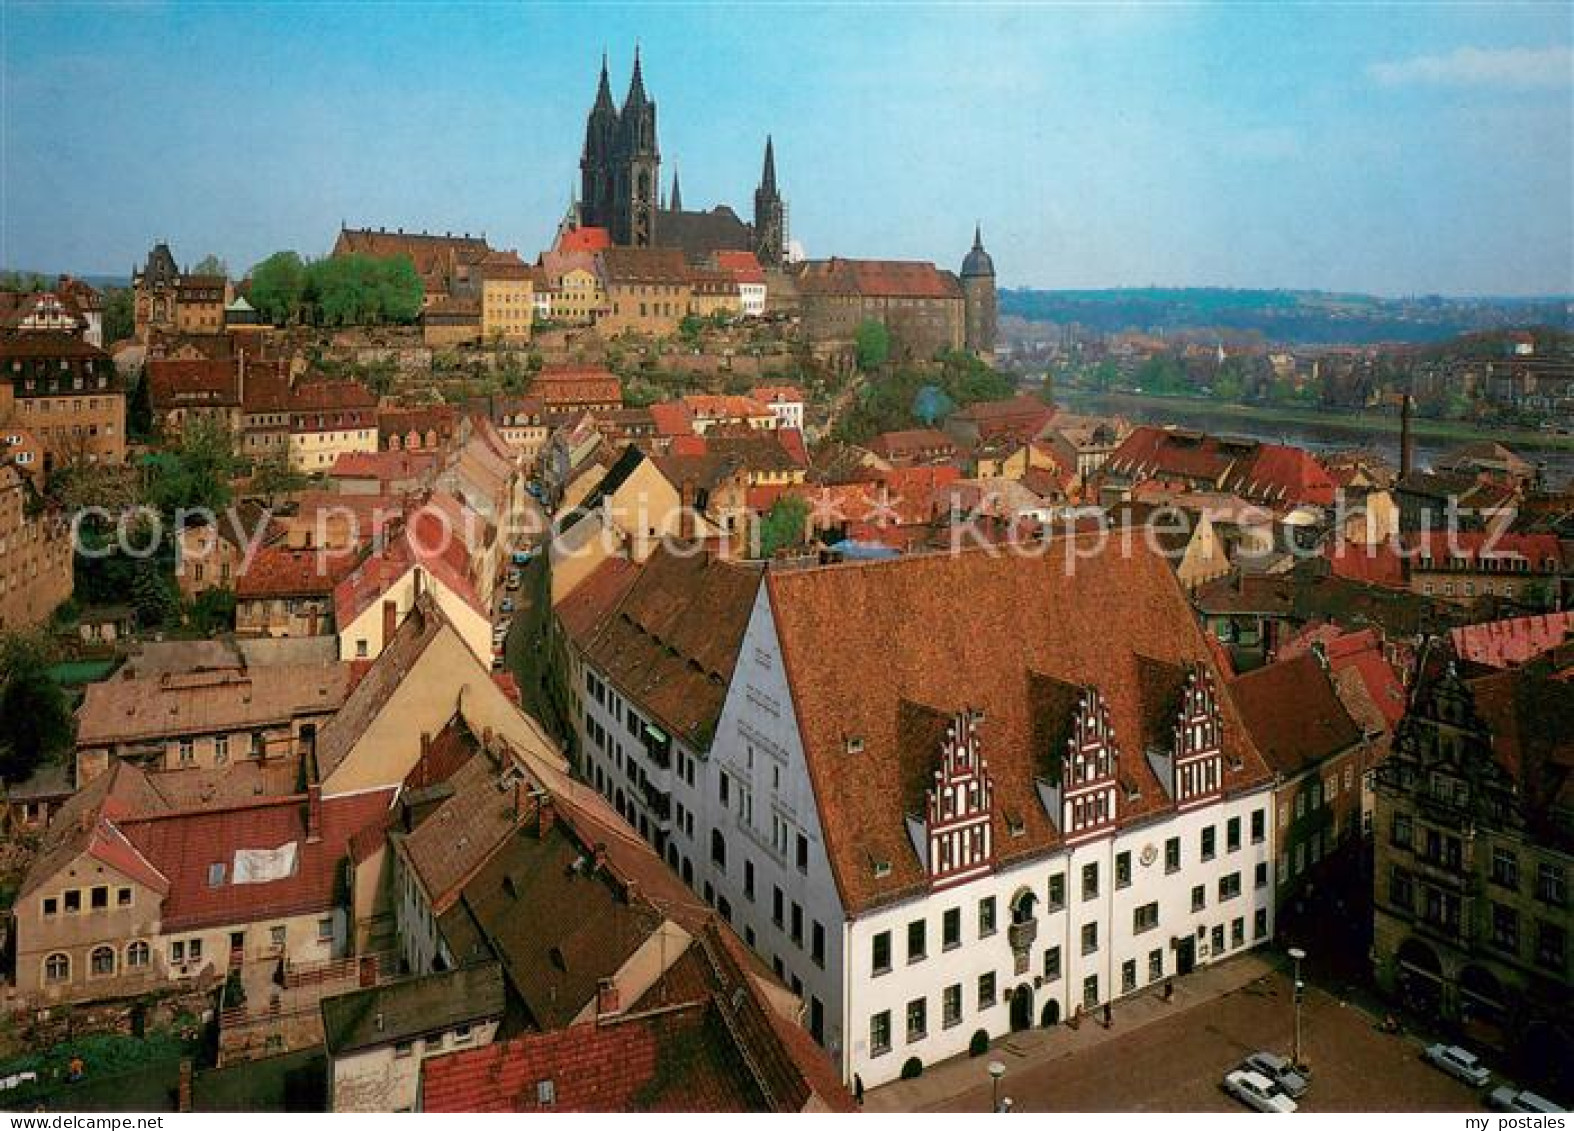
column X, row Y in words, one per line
column 912, row 443
column 672, row 418
column 183, row 846
column 1294, row 714
column 1476, row 546
column 1505, row 643
column 584, row 239
column 876, row 278
column 172, row 384
column 382, row 466
column 742, row 265
column 1377, row 563
column 587, row 385
column 680, row 1060
column 1282, row 474
column 278, row 572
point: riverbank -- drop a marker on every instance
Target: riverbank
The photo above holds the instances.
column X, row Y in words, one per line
column 1377, row 423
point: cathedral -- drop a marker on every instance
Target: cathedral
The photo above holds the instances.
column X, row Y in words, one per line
column 620, row 178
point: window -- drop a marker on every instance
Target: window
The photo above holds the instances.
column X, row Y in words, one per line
column 276, row 936
column 73, row 901
column 1260, row 874
column 1551, row 942
column 817, row 943
column 748, row 880
column 1052, row 964
column 221, row 750
column 1505, row 928
column 1505, row 868
column 216, row 875
column 123, row 897
column 1057, row 891
column 1155, row 965
column 194, row 949
column 803, row 853
column 1232, row 834
column 1090, row 991
column 1551, row 884
column 1218, row 938
column 1123, row 869
column 951, row 929
column 724, row 788
column 880, row 956
column 917, row 1019
column 546, row 1093
column 57, row 968
column 797, row 923
column 51, row 906
column 462, row 1034
column 1260, row 923
column 880, row 1033
column 1090, row 937
column 1172, row 855
column 1401, row 893
column 1237, row 931
column 951, row 1006
column 1300, row 806
column 1229, row 886
column 779, row 910
column 403, row 1049
column 916, row 940
column 187, row 753
column 718, row 849
column 1199, row 898
column 986, row 917
column 99, row 898
column 103, row 960
column 1259, row 825
column 138, row 955
column 1090, row 881
column 1145, row 918
column 1208, row 845
column 1128, row 975
column 986, row 990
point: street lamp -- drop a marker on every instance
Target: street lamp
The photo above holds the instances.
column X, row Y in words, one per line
column 1296, row 955
column 996, row 1071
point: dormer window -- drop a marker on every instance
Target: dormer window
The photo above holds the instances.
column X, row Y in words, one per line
column 855, row 745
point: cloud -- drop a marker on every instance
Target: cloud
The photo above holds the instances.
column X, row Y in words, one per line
column 1512, row 67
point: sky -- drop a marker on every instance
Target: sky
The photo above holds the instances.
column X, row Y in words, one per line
column 1395, row 150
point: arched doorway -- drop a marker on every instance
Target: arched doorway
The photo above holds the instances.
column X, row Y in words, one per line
column 1021, row 1008
column 1419, row 976
column 1482, row 1002
column 1050, row 1017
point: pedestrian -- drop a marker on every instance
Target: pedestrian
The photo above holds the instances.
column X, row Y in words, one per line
column 858, row 1089
column 1169, row 988
column 1109, row 1016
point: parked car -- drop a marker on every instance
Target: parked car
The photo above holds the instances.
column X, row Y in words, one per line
column 1258, row 1092
column 513, row 579
column 1458, row 1063
column 507, row 606
column 522, row 557
column 1278, row 1069
column 1509, row 1098
column 497, row 663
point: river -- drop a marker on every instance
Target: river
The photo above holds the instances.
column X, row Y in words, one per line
column 1321, row 436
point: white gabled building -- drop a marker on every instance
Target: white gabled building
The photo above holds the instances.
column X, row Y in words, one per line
column 940, row 794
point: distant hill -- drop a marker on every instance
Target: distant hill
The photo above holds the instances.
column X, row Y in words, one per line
column 1294, row 317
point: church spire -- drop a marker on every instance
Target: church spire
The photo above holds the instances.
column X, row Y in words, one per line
column 978, row 236
column 636, row 95
column 604, row 88
column 677, row 193
column 768, row 177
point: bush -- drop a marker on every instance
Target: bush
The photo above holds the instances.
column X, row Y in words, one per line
column 979, row 1045
column 913, row 1069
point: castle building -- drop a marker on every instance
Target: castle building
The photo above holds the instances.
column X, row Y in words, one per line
column 620, row 172
column 168, row 300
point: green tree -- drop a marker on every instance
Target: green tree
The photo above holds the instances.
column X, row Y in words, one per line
column 153, row 594
column 213, row 611
column 198, row 472
column 120, row 320
column 35, row 720
column 1105, row 375
column 211, row 264
column 784, row 526
column 353, row 290
column 873, row 344
column 278, row 284
column 28, row 282
column 273, row 478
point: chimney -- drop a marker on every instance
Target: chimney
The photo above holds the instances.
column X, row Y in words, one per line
column 606, row 998
column 546, row 816
column 686, row 510
column 390, row 621
column 1405, row 440
column 183, row 1103
column 313, row 813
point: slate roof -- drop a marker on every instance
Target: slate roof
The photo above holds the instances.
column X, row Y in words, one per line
column 412, row 1007
column 864, row 645
column 700, row 235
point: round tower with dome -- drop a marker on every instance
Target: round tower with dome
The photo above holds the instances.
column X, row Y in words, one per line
column 981, row 314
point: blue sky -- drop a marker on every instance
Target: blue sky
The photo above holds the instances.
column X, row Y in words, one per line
column 1395, row 150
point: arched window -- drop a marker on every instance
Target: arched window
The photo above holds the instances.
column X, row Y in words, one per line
column 57, row 968
column 103, row 961
column 137, row 955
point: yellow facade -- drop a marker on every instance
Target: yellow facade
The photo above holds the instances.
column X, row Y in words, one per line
column 507, row 309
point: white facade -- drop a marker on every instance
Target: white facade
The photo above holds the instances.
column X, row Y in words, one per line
column 769, row 874
column 753, row 296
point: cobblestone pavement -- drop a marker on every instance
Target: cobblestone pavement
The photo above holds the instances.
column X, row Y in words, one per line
column 1172, row 1056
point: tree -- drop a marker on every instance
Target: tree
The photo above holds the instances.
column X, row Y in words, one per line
column 28, row 282
column 211, row 264
column 213, row 611
column 784, row 526
column 931, row 404
column 873, row 344
column 278, row 284
column 139, row 408
column 350, row 290
column 198, row 472
column 153, row 594
column 120, row 320
column 273, row 477
column 35, row 720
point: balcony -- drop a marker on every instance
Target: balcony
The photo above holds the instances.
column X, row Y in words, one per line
column 658, row 746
